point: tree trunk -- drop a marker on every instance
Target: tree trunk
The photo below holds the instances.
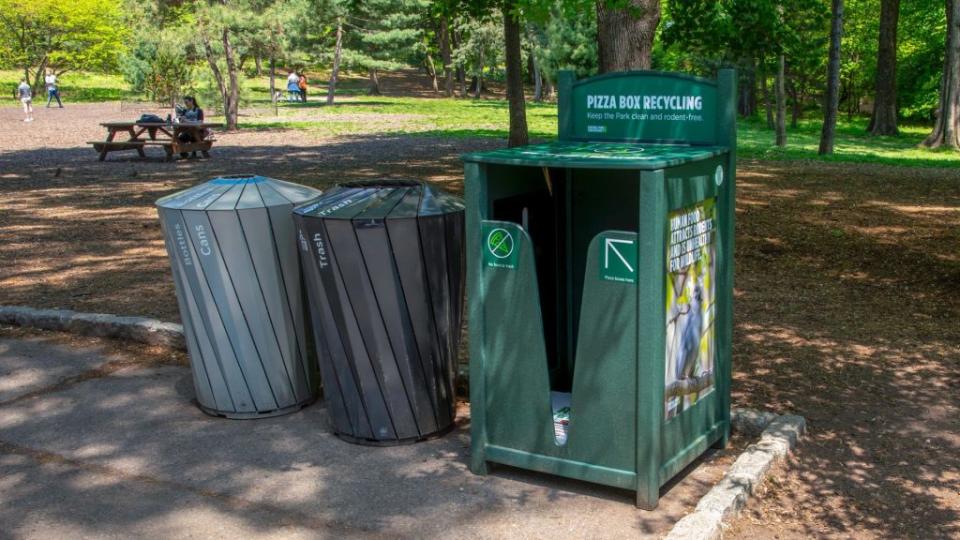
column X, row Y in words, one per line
column 797, row 105
column 215, row 70
column 231, row 107
column 446, row 54
column 514, row 58
column 547, row 86
column 537, row 78
column 335, row 70
column 747, row 105
column 781, row 102
column 884, row 118
column 625, row 34
column 433, row 73
column 765, row 90
column 273, row 85
column 946, row 131
column 38, row 79
column 258, row 65
column 832, row 98
column 479, row 79
column 374, row 89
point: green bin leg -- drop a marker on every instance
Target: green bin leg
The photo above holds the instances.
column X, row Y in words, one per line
column 475, row 178
column 651, row 332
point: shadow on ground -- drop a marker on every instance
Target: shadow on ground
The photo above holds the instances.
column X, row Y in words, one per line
column 127, row 454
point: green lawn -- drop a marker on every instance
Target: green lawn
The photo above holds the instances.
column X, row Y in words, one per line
column 358, row 114
column 488, row 118
column 75, row 87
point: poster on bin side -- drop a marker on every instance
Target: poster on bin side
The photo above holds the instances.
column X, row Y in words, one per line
column 691, row 273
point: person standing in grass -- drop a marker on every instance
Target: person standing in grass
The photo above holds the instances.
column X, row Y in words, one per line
column 52, row 90
column 25, row 93
column 293, row 86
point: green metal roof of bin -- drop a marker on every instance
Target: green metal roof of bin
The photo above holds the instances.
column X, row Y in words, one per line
column 597, row 155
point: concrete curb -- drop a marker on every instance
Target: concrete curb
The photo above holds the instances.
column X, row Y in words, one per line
column 779, row 437
column 139, row 329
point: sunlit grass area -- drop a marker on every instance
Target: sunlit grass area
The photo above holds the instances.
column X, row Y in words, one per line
column 356, row 113
column 75, row 87
column 359, row 114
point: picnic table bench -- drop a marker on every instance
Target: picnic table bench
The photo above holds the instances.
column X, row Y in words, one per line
column 163, row 134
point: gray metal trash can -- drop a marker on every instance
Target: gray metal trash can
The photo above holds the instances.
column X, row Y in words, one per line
column 384, row 270
column 236, row 269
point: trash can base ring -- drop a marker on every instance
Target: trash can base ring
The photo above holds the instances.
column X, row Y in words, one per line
column 397, row 442
column 253, row 415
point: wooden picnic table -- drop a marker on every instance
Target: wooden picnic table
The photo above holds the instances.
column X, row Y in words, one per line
column 163, row 134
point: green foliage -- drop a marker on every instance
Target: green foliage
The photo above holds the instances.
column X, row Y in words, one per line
column 80, row 86
column 383, row 34
column 62, row 36
column 566, row 41
column 157, row 65
column 921, row 35
column 481, row 42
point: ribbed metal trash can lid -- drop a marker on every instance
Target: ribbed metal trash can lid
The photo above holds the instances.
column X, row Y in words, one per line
column 238, row 192
column 382, row 199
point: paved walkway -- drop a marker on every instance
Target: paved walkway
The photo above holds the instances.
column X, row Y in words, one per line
column 94, row 444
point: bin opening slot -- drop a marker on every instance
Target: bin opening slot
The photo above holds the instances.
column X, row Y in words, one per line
column 562, row 210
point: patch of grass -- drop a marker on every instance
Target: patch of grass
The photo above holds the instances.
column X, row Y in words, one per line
column 853, row 144
column 76, row 87
column 363, row 115
column 402, row 115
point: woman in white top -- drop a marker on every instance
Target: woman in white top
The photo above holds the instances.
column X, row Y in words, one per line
column 293, row 86
column 52, row 90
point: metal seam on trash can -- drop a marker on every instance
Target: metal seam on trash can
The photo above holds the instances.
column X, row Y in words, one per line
column 246, row 321
column 377, row 301
column 438, row 368
column 335, row 264
column 420, row 360
column 375, row 366
column 223, row 324
column 263, row 295
column 283, row 282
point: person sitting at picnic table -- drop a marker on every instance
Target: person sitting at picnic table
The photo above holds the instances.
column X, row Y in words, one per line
column 52, row 90
column 303, row 87
column 293, row 86
column 190, row 113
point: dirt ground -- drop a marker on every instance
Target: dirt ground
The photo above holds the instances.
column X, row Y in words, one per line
column 846, row 294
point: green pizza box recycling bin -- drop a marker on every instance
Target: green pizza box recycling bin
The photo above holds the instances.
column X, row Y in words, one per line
column 600, row 280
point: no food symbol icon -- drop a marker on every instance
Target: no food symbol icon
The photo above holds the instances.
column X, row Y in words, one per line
column 500, row 243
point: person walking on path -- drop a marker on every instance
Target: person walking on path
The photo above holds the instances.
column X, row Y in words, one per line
column 25, row 93
column 52, row 90
column 302, row 85
column 293, row 86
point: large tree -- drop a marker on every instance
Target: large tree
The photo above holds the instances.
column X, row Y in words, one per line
column 625, row 33
column 831, row 101
column 884, row 118
column 60, row 36
column 514, row 57
column 946, row 131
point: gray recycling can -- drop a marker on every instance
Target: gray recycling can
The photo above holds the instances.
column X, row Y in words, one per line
column 383, row 265
column 236, row 269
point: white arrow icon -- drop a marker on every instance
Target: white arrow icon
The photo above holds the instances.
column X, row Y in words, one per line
column 609, row 246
